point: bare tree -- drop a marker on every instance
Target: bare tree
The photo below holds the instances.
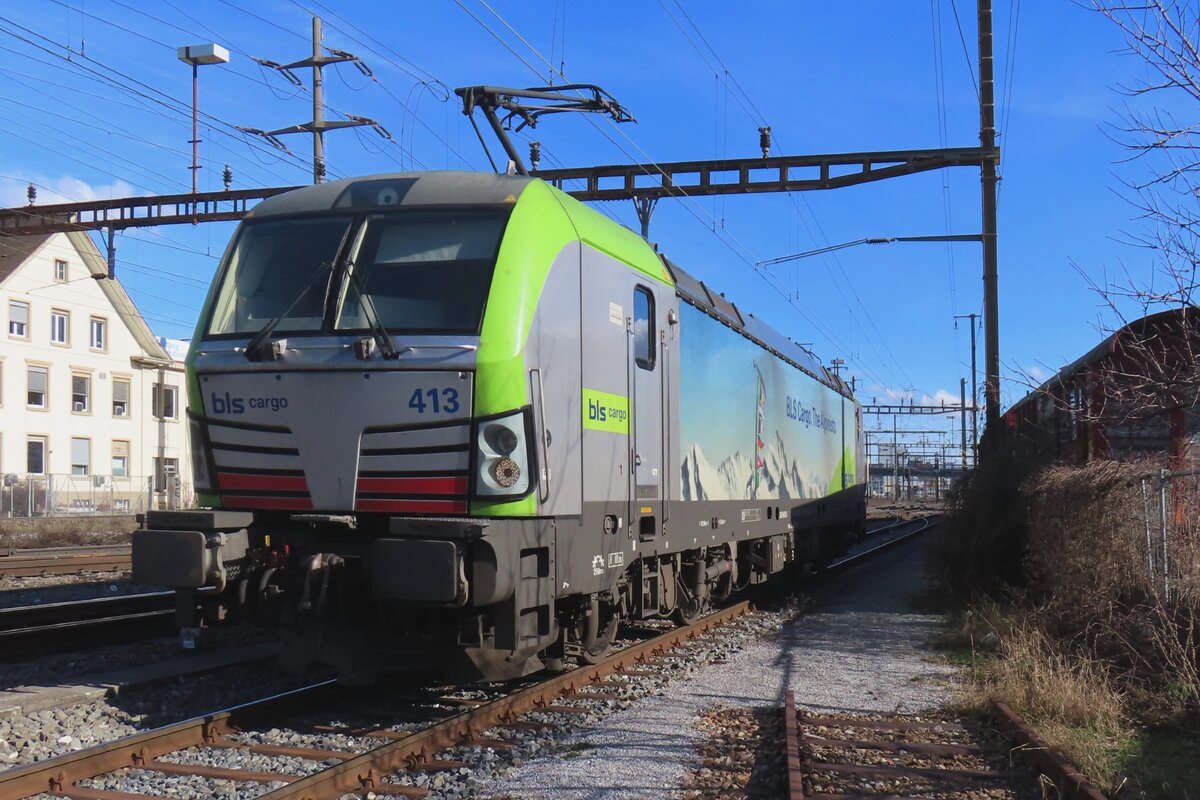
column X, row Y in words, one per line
column 1161, row 128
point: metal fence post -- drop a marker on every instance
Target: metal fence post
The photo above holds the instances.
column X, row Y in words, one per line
column 1162, row 521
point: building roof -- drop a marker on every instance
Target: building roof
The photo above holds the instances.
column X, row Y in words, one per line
column 16, row 250
column 1155, row 324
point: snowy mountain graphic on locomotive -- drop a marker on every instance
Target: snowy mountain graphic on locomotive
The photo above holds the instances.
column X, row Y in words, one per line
column 462, row 422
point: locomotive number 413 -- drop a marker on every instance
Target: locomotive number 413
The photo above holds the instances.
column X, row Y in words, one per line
column 436, row 401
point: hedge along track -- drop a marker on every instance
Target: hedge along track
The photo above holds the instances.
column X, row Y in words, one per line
column 353, row 772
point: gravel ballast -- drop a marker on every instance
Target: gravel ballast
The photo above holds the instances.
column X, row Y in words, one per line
column 862, row 649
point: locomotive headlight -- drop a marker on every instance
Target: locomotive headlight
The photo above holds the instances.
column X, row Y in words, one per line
column 198, row 444
column 502, row 457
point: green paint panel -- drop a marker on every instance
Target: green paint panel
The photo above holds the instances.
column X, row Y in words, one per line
column 600, row 232
column 605, row 412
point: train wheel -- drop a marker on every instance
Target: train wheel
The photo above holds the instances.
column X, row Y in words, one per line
column 690, row 607
column 600, row 631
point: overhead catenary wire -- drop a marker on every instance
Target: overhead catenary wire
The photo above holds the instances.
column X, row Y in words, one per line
column 689, row 203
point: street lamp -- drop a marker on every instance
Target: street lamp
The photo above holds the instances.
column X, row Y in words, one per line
column 196, row 55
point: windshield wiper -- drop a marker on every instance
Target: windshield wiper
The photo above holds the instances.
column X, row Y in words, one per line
column 383, row 339
column 254, row 347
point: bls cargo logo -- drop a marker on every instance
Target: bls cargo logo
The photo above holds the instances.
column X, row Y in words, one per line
column 238, row 405
column 605, row 412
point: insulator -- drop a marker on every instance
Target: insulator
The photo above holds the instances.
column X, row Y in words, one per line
column 227, row 176
column 764, row 140
column 31, row 193
column 535, row 154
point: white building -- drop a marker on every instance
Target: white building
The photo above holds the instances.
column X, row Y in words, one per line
column 92, row 407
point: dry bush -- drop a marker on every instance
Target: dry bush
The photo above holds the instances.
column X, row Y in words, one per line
column 980, row 546
column 1086, row 536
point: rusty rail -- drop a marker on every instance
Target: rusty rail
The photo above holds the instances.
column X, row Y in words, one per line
column 23, row 563
column 799, row 762
column 1071, row 784
column 355, row 772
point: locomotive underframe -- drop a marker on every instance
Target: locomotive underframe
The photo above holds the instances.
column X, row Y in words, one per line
column 469, row 597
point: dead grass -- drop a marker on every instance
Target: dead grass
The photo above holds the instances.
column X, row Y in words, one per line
column 1072, row 702
column 65, row 532
column 1080, row 638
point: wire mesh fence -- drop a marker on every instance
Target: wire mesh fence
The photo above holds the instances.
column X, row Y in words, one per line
column 1171, row 521
column 54, row 495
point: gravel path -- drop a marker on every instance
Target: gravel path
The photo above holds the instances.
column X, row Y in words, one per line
column 862, row 649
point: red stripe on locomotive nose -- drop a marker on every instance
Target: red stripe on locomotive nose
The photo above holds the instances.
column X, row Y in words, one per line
column 425, row 485
column 279, row 503
column 280, row 483
column 435, row 506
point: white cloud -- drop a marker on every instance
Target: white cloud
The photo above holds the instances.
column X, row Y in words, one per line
column 941, row 398
column 60, row 189
column 1037, row 373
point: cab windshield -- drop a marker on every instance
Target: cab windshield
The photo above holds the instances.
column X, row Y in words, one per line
column 278, row 269
column 408, row 271
column 420, row 272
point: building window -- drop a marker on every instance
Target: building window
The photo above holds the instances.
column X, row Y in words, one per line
column 36, row 379
column 81, row 456
column 98, row 339
column 81, row 393
column 60, row 270
column 120, row 397
column 164, row 401
column 60, row 327
column 164, row 468
column 18, row 319
column 35, row 461
column 120, row 459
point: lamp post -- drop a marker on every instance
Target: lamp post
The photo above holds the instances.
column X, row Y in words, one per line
column 196, row 55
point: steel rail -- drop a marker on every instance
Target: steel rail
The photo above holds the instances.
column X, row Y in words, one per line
column 365, row 772
column 925, row 524
column 362, row 771
column 43, row 624
column 57, row 775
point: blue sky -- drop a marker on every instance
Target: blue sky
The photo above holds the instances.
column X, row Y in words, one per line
column 700, row 77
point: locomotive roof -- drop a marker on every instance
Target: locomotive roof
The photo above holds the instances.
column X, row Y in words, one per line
column 415, row 189
column 396, row 189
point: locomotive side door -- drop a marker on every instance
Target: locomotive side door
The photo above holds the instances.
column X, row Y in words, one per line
column 647, row 367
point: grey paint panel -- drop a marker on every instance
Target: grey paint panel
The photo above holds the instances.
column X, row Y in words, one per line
column 430, row 437
column 552, row 349
column 327, row 413
column 218, row 434
column 417, row 462
column 604, row 308
column 420, row 188
column 242, row 460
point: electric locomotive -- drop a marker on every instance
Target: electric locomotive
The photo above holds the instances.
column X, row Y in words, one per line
column 462, row 422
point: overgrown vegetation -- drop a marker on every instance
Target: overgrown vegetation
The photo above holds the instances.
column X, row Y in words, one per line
column 1066, row 616
column 65, row 531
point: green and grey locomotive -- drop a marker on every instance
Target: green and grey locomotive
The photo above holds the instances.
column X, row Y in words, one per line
column 463, row 422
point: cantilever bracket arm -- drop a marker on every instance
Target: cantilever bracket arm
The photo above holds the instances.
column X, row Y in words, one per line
column 578, row 97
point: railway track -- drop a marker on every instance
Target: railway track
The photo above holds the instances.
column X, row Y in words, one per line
column 59, row 626
column 30, row 562
column 895, row 756
column 363, row 758
column 320, row 772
